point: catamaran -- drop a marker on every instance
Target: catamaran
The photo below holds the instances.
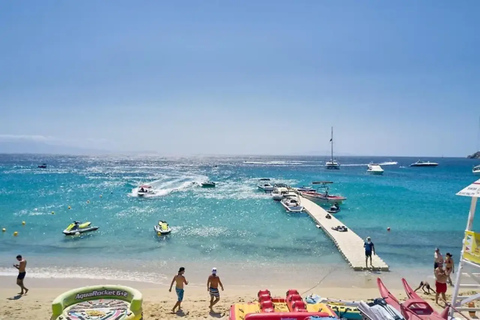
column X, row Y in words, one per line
column 332, row 164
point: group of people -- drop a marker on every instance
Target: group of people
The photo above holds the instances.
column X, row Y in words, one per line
column 443, row 268
column 213, row 282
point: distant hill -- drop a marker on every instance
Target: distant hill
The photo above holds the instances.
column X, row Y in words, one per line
column 22, row 146
column 476, row 155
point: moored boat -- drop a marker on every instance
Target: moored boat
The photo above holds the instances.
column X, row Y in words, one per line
column 278, row 193
column 292, row 204
column 265, row 185
column 78, row 227
column 42, row 166
column 476, row 170
column 208, row 184
column 321, row 194
column 332, row 164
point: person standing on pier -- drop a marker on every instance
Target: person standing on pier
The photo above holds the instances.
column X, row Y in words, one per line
column 369, row 249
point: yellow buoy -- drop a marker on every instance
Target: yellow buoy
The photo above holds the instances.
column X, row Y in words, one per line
column 53, row 212
column 23, row 223
column 15, row 234
column 159, row 233
column 69, row 207
column 3, row 230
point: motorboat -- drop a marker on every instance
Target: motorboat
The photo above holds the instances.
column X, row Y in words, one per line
column 374, row 168
column 414, row 308
column 208, row 184
column 77, row 227
column 332, row 164
column 321, row 194
column 162, row 228
column 305, row 189
column 476, row 170
column 42, row 166
column 278, row 193
column 144, row 190
column 292, row 204
column 265, row 185
column 289, row 307
column 334, row 209
column 421, row 163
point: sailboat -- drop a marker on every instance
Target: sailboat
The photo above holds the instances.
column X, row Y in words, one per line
column 332, row 164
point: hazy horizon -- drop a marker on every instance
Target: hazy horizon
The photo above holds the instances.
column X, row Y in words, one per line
column 264, row 77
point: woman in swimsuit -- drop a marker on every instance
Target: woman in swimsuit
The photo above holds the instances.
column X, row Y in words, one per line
column 449, row 267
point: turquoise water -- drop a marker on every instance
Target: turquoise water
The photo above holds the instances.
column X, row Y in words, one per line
column 233, row 223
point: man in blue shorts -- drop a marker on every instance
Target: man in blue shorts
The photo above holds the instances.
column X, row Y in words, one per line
column 180, row 280
column 212, row 287
column 369, row 249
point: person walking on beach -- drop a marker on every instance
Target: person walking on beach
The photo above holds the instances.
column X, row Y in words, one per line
column 180, row 280
column 440, row 283
column 438, row 259
column 212, row 287
column 369, row 249
column 21, row 273
column 449, row 267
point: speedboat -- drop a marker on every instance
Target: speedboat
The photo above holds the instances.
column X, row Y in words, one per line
column 78, row 227
column 292, row 204
column 305, row 189
column 374, row 168
column 476, row 170
column 322, row 196
column 414, row 308
column 332, row 164
column 42, row 166
column 421, row 163
column 144, row 190
column 265, row 185
column 162, row 228
column 208, row 184
column 278, row 193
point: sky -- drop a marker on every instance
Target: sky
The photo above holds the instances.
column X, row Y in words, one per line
column 241, row 77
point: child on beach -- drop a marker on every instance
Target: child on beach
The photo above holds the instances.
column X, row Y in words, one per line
column 449, row 267
column 180, row 280
column 425, row 286
column 212, row 287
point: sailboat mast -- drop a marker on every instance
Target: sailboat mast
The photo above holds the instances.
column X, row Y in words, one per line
column 331, row 145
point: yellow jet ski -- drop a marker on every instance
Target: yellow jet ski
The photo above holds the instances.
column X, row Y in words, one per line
column 162, row 227
column 78, row 227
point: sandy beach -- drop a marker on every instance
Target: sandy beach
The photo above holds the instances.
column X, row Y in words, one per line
column 158, row 301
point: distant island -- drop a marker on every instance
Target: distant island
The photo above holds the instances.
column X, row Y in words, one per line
column 476, row 155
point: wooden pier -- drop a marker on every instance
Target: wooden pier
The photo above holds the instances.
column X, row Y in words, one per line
column 348, row 243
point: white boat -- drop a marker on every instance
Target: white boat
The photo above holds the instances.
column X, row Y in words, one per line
column 279, row 192
column 162, row 228
column 292, row 204
column 144, row 190
column 265, row 185
column 476, row 170
column 421, row 163
column 374, row 168
column 332, row 164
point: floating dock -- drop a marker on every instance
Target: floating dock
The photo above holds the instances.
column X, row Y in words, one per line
column 348, row 243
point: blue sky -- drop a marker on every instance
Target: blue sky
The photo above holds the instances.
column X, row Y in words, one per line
column 251, row 77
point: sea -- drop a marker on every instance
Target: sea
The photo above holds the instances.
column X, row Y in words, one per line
column 234, row 226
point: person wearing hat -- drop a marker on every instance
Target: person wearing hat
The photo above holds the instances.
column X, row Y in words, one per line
column 369, row 249
column 212, row 287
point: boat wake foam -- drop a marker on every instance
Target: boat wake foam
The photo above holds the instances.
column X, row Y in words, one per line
column 167, row 185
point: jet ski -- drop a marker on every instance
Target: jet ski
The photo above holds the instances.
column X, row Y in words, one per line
column 144, row 190
column 162, row 227
column 78, row 227
column 334, row 209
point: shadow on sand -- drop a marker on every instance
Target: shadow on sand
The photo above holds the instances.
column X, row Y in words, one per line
column 18, row 296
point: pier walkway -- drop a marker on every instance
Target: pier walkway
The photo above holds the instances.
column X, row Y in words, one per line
column 348, row 243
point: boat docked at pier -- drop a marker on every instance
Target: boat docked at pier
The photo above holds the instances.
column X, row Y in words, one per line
column 321, row 195
column 421, row 163
column 374, row 168
column 292, row 204
column 279, row 191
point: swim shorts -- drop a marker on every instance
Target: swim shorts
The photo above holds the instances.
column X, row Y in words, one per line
column 179, row 293
column 368, row 253
column 21, row 275
column 440, row 287
column 214, row 292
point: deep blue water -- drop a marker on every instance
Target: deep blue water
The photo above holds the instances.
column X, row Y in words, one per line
column 233, row 222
